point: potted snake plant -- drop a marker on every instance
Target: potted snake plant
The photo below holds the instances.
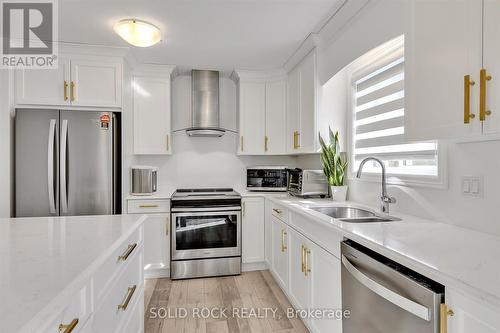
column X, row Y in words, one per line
column 334, row 166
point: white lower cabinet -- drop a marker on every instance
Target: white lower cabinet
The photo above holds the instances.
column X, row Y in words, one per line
column 156, row 234
column 252, row 230
column 279, row 251
column 470, row 315
column 307, row 273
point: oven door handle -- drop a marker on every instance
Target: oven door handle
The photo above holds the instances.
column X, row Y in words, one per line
column 389, row 295
column 211, row 209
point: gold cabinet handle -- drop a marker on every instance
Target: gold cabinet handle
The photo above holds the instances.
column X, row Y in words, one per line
column 130, row 293
column 483, row 77
column 296, row 140
column 148, row 206
column 241, row 143
column 127, row 252
column 167, row 143
column 307, row 270
column 283, row 246
column 277, row 211
column 72, row 90
column 444, row 312
column 467, row 114
column 266, row 140
column 65, row 90
column 68, row 328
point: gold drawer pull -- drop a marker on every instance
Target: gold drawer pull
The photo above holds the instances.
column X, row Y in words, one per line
column 130, row 293
column 283, row 246
column 307, row 270
column 277, row 211
column 72, row 90
column 70, row 327
column 444, row 312
column 302, row 267
column 148, row 206
column 65, row 90
column 467, row 84
column 483, row 77
column 127, row 253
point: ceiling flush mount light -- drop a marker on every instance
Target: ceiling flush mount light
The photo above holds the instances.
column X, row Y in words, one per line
column 138, row 33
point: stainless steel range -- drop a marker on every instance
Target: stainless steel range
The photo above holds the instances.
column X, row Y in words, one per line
column 206, row 233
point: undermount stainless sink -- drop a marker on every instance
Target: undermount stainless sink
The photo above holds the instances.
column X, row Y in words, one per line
column 353, row 215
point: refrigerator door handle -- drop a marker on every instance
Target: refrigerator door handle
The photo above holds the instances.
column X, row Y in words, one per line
column 396, row 299
column 50, row 166
column 63, row 166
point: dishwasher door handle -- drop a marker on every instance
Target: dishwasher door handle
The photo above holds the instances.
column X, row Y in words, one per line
column 389, row 295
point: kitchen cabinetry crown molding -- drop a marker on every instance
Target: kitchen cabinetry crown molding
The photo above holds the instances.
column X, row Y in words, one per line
column 308, row 45
column 258, row 76
column 96, row 50
column 154, row 70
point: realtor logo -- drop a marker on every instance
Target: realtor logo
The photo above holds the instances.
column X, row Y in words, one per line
column 29, row 32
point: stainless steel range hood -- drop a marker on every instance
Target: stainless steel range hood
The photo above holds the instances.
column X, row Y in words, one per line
column 205, row 104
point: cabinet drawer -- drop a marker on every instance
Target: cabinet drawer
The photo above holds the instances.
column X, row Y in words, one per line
column 116, row 262
column 76, row 312
column 117, row 304
column 324, row 236
column 279, row 211
column 145, row 206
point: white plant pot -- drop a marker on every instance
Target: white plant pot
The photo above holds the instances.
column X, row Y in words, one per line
column 339, row 193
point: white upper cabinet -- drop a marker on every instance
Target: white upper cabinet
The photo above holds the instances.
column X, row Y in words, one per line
column 252, row 118
column 262, row 112
column 152, row 113
column 443, row 83
column 96, row 82
column 275, row 117
column 81, row 81
column 491, row 54
column 44, row 86
column 301, row 106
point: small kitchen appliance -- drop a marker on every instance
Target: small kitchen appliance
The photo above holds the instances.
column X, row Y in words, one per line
column 307, row 183
column 144, row 180
column 267, row 178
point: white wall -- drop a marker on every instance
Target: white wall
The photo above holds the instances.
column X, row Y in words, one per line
column 379, row 22
column 206, row 162
column 6, row 152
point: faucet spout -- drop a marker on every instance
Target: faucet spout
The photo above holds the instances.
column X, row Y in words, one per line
column 384, row 198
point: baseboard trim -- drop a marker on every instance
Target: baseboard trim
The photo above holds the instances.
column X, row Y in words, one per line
column 156, row 273
column 253, row 266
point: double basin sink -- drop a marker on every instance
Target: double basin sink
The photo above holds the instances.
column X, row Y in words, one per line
column 353, row 215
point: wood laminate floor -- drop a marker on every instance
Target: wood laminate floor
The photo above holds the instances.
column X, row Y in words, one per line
column 248, row 303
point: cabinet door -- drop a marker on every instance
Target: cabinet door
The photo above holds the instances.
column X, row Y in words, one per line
column 252, row 231
column 275, row 117
column 470, row 315
column 97, row 83
column 437, row 56
column 491, row 54
column 44, row 86
column 280, row 252
column 307, row 131
column 152, row 119
column 300, row 285
column 252, row 118
column 293, row 110
column 325, row 288
column 157, row 242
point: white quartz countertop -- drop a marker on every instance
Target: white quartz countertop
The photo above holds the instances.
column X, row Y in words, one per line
column 43, row 260
column 453, row 256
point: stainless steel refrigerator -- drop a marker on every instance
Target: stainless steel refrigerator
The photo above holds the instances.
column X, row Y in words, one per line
column 67, row 163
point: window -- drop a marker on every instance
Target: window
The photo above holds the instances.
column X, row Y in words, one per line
column 378, row 116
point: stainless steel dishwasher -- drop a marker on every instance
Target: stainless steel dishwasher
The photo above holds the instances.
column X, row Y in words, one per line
column 384, row 296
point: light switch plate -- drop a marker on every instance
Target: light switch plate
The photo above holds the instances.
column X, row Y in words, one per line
column 473, row 186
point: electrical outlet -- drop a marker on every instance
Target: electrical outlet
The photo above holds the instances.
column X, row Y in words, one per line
column 472, row 186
